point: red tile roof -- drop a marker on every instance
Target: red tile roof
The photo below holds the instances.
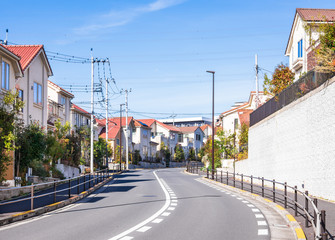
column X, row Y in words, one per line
column 188, row 129
column 26, row 52
column 235, row 108
column 203, row 127
column 79, row 109
column 61, row 89
column 244, row 116
column 116, row 121
column 149, row 122
column 113, row 132
column 313, row 14
column 139, row 123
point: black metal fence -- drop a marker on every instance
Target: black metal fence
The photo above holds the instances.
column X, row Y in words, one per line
column 52, row 191
column 305, row 84
column 281, row 193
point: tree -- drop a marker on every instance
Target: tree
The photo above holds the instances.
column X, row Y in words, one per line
column 281, row 79
column 179, row 155
column 243, row 141
column 325, row 50
column 226, row 144
column 100, row 152
column 165, row 152
column 191, row 155
column 207, row 149
column 9, row 109
column 31, row 142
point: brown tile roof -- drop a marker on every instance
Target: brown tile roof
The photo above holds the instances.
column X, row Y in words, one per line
column 313, row 14
column 188, row 129
column 79, row 109
column 203, row 127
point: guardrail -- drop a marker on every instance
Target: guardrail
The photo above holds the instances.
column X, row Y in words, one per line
column 295, row 199
column 77, row 183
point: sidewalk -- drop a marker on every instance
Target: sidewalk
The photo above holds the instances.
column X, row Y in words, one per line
column 328, row 206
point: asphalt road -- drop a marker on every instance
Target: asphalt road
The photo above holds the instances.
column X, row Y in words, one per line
column 148, row 204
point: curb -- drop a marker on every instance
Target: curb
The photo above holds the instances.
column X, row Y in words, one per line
column 291, row 221
column 53, row 206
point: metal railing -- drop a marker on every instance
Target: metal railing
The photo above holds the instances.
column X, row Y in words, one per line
column 85, row 182
column 302, row 86
column 288, row 196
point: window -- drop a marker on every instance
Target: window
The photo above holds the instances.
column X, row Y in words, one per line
column 37, row 93
column 118, row 141
column 180, row 137
column 20, row 96
column 5, row 76
column 300, row 49
column 62, row 100
column 198, row 137
column 235, row 124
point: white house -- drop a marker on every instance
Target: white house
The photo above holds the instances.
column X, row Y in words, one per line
column 299, row 49
column 79, row 117
column 59, row 104
column 11, row 72
column 192, row 137
column 207, row 130
column 34, row 83
column 239, row 113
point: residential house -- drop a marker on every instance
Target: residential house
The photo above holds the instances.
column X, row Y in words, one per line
column 188, row 122
column 79, row 117
column 207, row 130
column 33, row 85
column 59, row 104
column 239, row 113
column 299, row 46
column 163, row 133
column 142, row 141
column 11, row 71
column 192, row 137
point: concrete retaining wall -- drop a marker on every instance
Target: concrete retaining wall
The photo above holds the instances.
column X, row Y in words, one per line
column 297, row 144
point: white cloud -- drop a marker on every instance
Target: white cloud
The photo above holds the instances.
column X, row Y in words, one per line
column 119, row 18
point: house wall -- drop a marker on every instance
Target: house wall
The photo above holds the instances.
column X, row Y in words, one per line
column 36, row 72
column 141, row 138
column 296, row 144
column 12, row 80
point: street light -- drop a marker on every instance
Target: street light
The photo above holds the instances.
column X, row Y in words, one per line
column 213, row 73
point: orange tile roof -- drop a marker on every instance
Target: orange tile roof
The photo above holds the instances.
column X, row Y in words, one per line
column 149, row 122
column 79, row 109
column 235, row 108
column 244, row 115
column 139, row 123
column 26, row 52
column 113, row 132
column 318, row 15
column 203, row 127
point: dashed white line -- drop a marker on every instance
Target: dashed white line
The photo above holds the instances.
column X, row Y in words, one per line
column 171, row 208
column 263, row 232
column 250, row 205
column 255, row 210
column 262, row 223
column 126, row 238
column 143, row 229
column 165, row 214
column 157, row 220
column 173, row 204
column 259, row 215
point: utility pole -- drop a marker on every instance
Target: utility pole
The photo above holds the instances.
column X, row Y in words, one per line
column 213, row 130
column 107, row 128
column 256, row 67
column 121, row 130
column 92, row 108
column 127, row 132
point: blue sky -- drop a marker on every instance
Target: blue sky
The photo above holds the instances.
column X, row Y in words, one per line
column 160, row 49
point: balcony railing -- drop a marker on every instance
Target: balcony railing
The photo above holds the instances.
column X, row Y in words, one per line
column 302, row 86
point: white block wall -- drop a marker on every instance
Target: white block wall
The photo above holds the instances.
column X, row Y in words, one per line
column 297, row 144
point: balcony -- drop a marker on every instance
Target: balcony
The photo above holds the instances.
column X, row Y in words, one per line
column 55, row 111
column 297, row 64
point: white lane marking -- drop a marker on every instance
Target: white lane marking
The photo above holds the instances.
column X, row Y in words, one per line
column 143, row 229
column 157, row 220
column 173, row 204
column 165, row 214
column 250, row 205
column 239, row 198
column 233, row 195
column 259, row 215
column 245, row 201
column 126, row 238
column 255, row 210
column 262, row 223
column 171, row 208
column 174, row 200
column 263, row 232
column 174, row 197
column 159, row 212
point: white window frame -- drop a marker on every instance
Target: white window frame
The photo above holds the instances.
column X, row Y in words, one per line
column 5, row 75
column 38, row 90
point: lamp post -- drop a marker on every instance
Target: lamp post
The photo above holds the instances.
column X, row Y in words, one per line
column 213, row 73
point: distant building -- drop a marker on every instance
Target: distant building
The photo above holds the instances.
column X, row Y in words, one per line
column 192, row 137
column 79, row 117
column 299, row 48
column 188, row 122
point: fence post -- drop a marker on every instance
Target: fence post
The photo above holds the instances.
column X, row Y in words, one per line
column 323, row 225
column 55, row 189
column 242, row 181
column 221, row 176
column 216, row 176
column 227, row 178
column 315, row 201
column 69, row 187
column 32, row 197
column 207, row 173
column 251, row 184
column 234, row 179
column 274, row 190
column 285, row 194
column 89, row 180
column 295, row 201
column 262, row 186
column 78, row 186
column 197, row 168
column 306, row 208
column 84, row 182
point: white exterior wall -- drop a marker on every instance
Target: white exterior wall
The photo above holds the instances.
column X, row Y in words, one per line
column 296, row 144
column 36, row 72
column 142, row 141
column 12, row 80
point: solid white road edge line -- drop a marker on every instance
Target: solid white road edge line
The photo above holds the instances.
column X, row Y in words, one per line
column 159, row 212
